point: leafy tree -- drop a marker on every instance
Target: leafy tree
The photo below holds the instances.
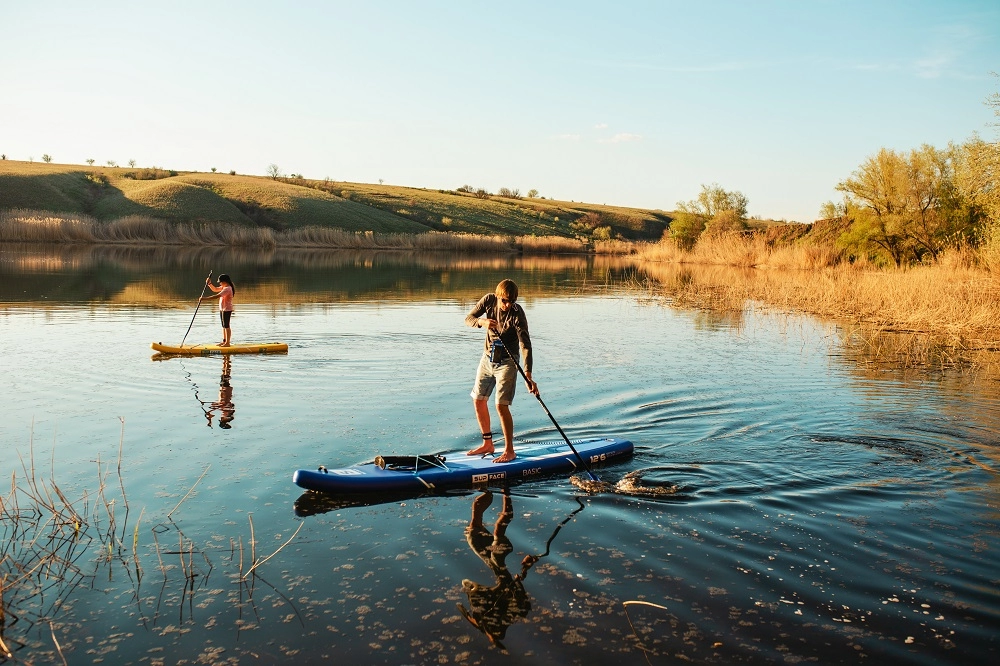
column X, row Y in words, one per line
column 686, row 228
column 274, row 171
column 831, row 210
column 715, row 208
column 90, row 161
column 213, row 169
column 532, row 193
column 112, row 163
column 46, row 158
column 726, row 221
column 601, row 233
column 907, row 205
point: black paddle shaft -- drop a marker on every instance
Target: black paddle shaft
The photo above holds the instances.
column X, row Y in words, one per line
column 203, row 288
column 551, row 418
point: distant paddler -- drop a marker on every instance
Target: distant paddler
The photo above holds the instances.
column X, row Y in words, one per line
column 225, row 291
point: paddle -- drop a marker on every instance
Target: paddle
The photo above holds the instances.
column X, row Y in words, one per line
column 203, row 288
column 552, row 418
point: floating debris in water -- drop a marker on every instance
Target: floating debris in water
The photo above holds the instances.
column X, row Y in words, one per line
column 633, row 484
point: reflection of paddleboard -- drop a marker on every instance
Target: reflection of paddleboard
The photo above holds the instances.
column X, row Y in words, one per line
column 433, row 471
column 214, row 350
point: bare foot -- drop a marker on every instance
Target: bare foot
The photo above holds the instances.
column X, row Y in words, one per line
column 506, row 456
column 484, row 449
column 223, row 344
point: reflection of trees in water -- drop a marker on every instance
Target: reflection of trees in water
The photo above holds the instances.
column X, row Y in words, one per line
column 158, row 275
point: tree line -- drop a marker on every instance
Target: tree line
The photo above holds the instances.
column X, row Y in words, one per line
column 899, row 207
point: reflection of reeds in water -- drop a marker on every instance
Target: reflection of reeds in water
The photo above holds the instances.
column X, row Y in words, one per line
column 35, row 258
column 154, row 275
column 51, row 548
column 925, row 318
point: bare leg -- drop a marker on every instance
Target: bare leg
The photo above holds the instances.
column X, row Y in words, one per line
column 483, row 417
column 227, row 336
column 507, row 423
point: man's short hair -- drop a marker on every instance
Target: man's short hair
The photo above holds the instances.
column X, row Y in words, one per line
column 507, row 289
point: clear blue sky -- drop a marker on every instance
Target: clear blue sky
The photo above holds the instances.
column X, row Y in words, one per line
column 627, row 103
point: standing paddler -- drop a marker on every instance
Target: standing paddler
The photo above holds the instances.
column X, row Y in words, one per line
column 506, row 330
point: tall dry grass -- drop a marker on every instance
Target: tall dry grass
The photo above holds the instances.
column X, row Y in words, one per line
column 23, row 226
column 959, row 303
column 26, row 226
column 745, row 251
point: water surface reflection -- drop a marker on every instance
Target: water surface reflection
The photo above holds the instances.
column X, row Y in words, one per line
column 809, row 505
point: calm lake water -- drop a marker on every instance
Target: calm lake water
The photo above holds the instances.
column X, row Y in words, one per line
column 799, row 508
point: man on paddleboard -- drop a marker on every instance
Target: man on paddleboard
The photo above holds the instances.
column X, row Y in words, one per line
column 506, row 331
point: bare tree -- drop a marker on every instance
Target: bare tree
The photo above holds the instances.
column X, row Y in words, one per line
column 131, row 163
column 274, row 171
column 90, row 161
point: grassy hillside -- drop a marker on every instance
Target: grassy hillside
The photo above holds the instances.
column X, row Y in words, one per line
column 110, row 193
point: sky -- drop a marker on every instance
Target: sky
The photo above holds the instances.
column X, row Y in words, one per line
column 622, row 103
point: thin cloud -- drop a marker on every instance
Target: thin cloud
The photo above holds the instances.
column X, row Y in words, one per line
column 601, row 126
column 567, row 137
column 933, row 66
column 622, row 137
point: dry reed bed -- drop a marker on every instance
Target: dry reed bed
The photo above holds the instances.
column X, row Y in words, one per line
column 25, row 226
column 956, row 302
column 941, row 315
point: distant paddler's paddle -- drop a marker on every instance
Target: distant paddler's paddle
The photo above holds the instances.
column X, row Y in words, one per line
column 552, row 418
column 203, row 288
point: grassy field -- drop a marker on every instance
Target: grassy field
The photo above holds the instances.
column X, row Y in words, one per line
column 112, row 193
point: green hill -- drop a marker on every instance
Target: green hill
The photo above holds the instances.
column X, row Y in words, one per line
column 108, row 193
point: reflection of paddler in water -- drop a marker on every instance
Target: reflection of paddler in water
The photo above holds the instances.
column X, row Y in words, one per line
column 227, row 410
column 493, row 609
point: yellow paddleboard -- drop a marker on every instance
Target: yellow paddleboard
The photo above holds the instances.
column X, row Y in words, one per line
column 215, row 350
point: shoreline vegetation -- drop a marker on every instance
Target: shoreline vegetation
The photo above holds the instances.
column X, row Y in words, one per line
column 913, row 247
column 30, row 226
column 955, row 298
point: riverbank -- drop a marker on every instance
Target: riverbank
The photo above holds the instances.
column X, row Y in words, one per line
column 288, row 203
column 956, row 299
column 28, row 226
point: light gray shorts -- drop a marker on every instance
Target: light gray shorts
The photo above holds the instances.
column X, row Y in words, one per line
column 502, row 376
